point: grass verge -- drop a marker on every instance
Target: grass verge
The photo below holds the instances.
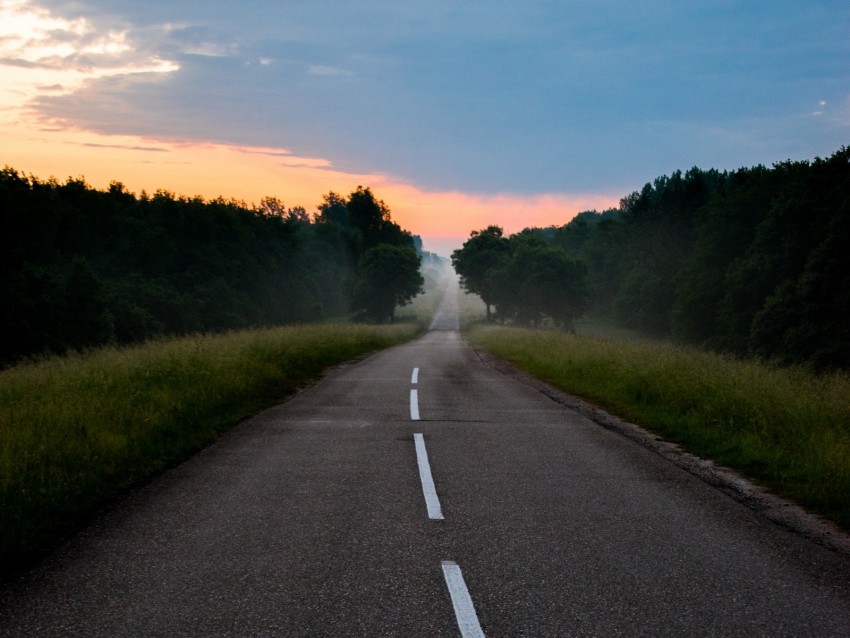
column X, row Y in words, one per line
column 785, row 427
column 75, row 431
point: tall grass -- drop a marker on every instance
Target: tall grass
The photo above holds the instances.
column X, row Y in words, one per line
column 472, row 309
column 75, row 431
column 786, row 427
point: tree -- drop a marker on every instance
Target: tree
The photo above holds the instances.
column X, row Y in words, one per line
column 476, row 262
column 333, row 210
column 541, row 281
column 80, row 267
column 371, row 220
column 387, row 276
column 659, row 226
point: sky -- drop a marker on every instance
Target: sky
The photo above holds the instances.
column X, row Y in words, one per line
column 458, row 115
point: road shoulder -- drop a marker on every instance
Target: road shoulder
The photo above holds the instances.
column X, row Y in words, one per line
column 779, row 510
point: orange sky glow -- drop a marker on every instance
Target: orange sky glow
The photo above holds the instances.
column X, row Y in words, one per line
column 210, row 170
column 44, row 148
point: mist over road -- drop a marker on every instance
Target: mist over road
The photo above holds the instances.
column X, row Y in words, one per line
column 317, row 518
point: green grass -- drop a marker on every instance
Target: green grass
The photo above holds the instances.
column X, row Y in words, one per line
column 785, row 427
column 472, row 309
column 76, row 431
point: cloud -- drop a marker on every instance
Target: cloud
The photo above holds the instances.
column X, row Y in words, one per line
column 209, row 49
column 32, row 36
column 286, row 157
column 528, row 98
column 149, row 149
column 328, row 71
column 41, row 53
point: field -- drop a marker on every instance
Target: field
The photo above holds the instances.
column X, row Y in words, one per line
column 76, row 431
column 785, row 427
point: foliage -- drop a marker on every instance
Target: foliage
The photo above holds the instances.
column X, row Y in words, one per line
column 75, row 431
column 387, row 276
column 371, row 220
column 523, row 277
column 81, row 267
column 481, row 256
column 540, row 281
column 783, row 426
column 751, row 262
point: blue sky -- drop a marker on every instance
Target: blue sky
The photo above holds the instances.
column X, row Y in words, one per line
column 526, row 98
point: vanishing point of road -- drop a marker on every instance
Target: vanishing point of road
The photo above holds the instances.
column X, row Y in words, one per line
column 421, row 492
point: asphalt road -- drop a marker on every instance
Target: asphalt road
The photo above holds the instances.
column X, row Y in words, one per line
column 312, row 519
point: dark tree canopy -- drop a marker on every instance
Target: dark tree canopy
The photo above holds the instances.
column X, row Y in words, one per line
column 481, row 256
column 371, row 220
column 539, row 281
column 83, row 267
column 523, row 277
column 753, row 262
column 387, row 276
column 333, row 210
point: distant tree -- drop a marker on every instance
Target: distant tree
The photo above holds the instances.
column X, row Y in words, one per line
column 80, row 267
column 539, row 281
column 659, row 232
column 481, row 256
column 298, row 215
column 371, row 219
column 333, row 210
column 367, row 216
column 387, row 276
column 271, row 207
column 725, row 229
column 597, row 240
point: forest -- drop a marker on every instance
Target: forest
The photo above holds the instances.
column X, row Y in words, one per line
column 83, row 267
column 753, row 262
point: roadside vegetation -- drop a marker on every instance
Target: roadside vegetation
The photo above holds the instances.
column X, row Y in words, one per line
column 788, row 428
column 82, row 268
column 161, row 306
column 77, row 430
column 746, row 271
column 753, row 263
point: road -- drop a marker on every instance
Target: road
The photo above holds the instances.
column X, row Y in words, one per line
column 316, row 518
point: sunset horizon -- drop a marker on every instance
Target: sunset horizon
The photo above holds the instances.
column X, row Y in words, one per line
column 213, row 103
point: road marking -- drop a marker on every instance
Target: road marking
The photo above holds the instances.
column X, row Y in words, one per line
column 428, row 489
column 467, row 619
column 414, row 405
column 415, row 378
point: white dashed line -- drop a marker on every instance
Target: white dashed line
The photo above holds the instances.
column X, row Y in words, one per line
column 467, row 619
column 432, row 503
column 414, row 405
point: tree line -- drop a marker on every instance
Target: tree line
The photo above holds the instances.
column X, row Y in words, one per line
column 753, row 262
column 83, row 267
